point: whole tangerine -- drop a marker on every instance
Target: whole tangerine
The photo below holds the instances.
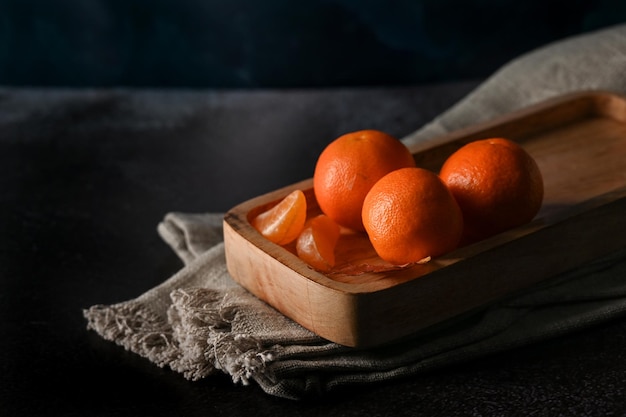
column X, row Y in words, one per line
column 497, row 184
column 348, row 168
column 410, row 215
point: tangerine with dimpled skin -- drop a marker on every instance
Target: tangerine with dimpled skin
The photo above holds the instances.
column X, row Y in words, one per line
column 410, row 215
column 497, row 184
column 349, row 166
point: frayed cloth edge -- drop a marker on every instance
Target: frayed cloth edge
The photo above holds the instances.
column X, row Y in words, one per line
column 195, row 339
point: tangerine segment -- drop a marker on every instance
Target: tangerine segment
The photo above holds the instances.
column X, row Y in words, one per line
column 283, row 223
column 410, row 215
column 316, row 244
column 497, row 184
column 349, row 166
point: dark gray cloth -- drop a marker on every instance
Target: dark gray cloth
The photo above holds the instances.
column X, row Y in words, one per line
column 200, row 321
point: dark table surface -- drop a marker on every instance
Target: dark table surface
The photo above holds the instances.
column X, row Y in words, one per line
column 87, row 175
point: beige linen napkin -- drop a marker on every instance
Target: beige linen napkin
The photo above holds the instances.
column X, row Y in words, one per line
column 200, row 321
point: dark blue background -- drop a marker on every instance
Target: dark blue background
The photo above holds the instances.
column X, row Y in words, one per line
column 278, row 43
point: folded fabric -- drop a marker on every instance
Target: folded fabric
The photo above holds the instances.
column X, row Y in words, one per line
column 199, row 321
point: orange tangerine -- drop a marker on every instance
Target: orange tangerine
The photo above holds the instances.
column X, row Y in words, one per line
column 349, row 166
column 497, row 184
column 283, row 223
column 410, row 215
column 316, row 244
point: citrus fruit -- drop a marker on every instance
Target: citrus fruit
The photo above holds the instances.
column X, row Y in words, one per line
column 349, row 166
column 410, row 215
column 497, row 184
column 283, row 222
column 316, row 244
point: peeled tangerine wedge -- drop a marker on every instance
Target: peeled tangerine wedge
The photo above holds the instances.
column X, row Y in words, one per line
column 283, row 223
column 316, row 244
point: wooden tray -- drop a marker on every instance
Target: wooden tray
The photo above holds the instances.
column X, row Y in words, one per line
column 579, row 142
